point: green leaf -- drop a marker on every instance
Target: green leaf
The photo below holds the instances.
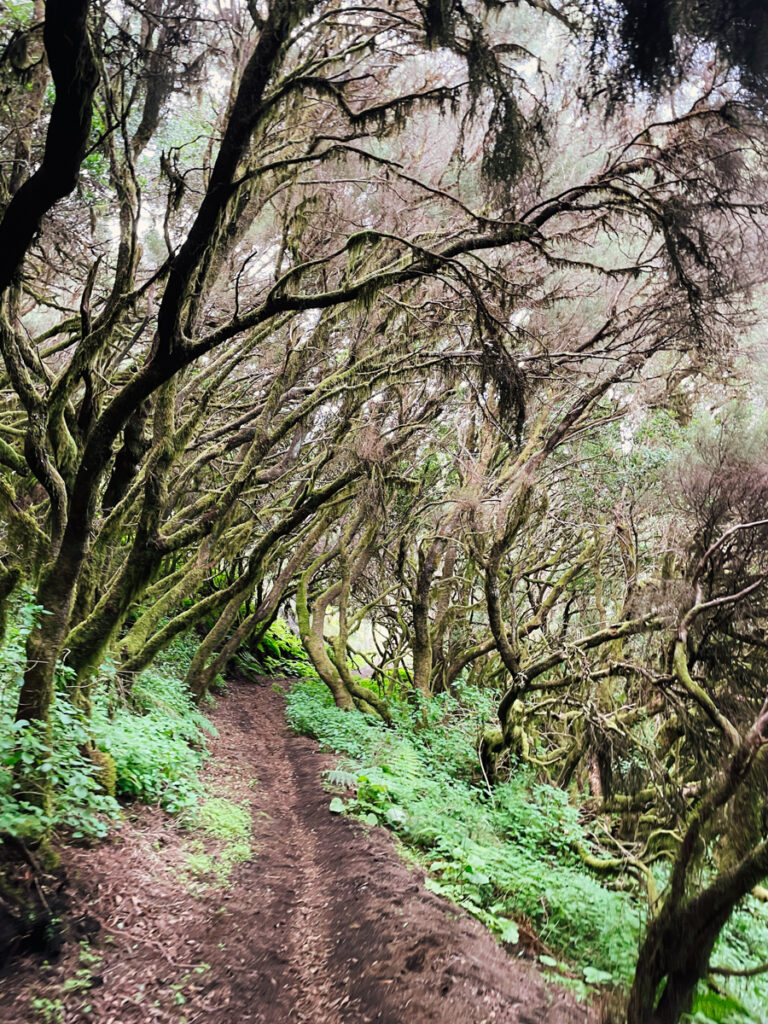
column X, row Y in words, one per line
column 594, row 976
column 336, row 805
column 434, row 886
column 396, row 816
column 439, row 865
column 508, row 931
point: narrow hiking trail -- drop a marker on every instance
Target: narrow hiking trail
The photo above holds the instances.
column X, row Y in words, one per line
column 323, row 924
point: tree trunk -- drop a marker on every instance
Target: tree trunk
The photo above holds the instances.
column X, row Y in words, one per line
column 679, row 941
column 422, row 640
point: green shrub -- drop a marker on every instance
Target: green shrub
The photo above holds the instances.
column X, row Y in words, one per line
column 513, row 857
column 156, row 741
column 177, row 656
column 278, row 653
column 311, row 712
column 78, row 797
column 149, row 747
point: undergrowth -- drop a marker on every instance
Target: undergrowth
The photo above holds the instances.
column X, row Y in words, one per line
column 226, row 831
column 278, row 653
column 743, row 944
column 510, row 857
column 144, row 743
column 155, row 736
column 505, row 858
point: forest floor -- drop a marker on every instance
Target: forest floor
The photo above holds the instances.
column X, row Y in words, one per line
column 320, row 922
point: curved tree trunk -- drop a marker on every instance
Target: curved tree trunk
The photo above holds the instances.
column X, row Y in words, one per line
column 680, row 939
column 679, row 943
column 311, row 632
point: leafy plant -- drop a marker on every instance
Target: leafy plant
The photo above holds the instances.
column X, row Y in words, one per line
column 78, row 800
column 49, row 1011
column 501, row 860
column 278, row 652
column 156, row 741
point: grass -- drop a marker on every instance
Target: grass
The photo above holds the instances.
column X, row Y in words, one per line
column 224, row 840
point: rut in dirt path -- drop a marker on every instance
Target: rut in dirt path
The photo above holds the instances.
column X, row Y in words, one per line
column 323, row 925
column 357, row 938
column 295, row 898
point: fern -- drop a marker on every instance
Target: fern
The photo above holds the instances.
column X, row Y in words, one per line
column 339, row 778
column 401, row 757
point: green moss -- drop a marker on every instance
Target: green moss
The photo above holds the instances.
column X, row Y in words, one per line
column 49, row 857
column 106, row 769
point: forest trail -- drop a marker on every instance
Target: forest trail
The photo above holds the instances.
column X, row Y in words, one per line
column 324, row 924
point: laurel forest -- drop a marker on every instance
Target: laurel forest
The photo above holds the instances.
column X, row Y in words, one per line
column 414, row 351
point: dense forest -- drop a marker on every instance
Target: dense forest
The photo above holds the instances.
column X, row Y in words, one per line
column 415, row 351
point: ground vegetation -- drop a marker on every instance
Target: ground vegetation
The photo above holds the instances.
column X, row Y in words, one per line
column 434, row 329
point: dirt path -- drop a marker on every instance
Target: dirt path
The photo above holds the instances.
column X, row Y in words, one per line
column 323, row 925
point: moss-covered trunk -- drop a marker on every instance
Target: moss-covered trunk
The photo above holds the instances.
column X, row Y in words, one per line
column 183, row 585
column 198, row 677
column 213, row 660
column 421, row 647
column 311, row 632
column 90, row 640
column 680, row 939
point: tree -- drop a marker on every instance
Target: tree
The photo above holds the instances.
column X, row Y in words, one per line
column 350, row 331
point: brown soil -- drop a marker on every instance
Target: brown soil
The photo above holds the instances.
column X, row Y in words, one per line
column 324, row 924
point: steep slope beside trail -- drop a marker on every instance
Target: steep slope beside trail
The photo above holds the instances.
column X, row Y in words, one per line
column 324, row 925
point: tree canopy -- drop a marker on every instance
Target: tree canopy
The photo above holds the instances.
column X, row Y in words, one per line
column 438, row 319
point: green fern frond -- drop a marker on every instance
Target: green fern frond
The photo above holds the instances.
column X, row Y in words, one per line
column 338, row 778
